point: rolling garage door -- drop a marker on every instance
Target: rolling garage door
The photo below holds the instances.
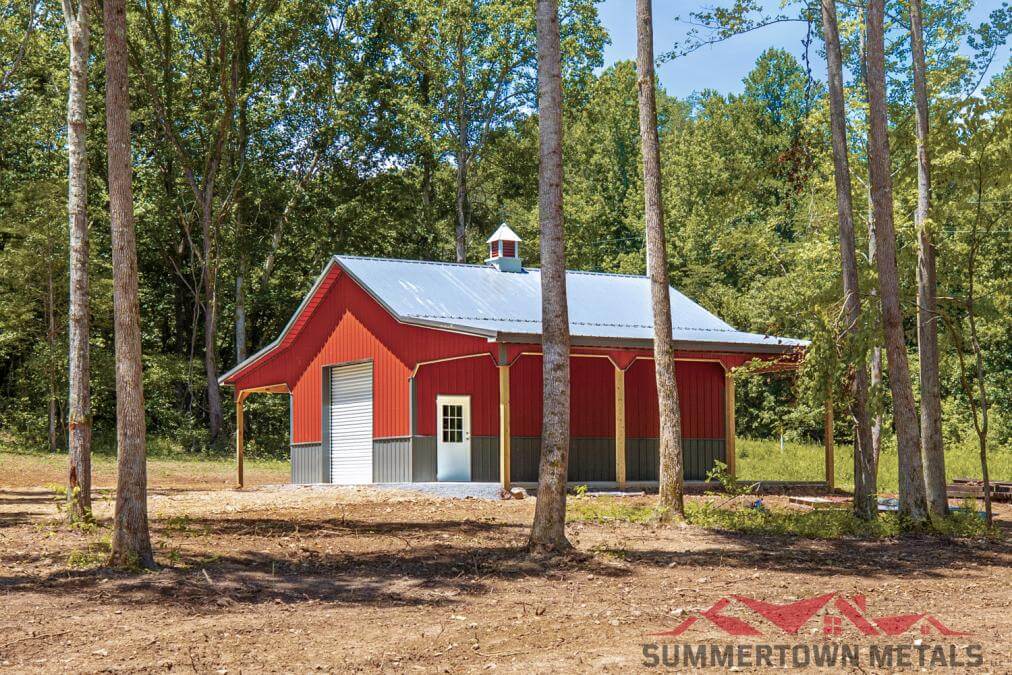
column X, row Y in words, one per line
column 351, row 424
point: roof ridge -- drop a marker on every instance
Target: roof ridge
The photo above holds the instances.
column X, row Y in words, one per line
column 484, row 266
column 416, row 262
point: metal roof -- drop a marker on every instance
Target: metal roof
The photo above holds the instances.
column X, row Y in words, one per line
column 603, row 308
column 504, row 232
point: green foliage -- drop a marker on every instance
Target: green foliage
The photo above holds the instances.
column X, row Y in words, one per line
column 728, row 484
column 609, row 509
column 94, row 555
column 813, row 524
column 344, row 136
column 764, row 460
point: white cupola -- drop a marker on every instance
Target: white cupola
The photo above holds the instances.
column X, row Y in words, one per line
column 504, row 250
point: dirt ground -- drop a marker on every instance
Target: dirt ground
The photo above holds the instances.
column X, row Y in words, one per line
column 282, row 579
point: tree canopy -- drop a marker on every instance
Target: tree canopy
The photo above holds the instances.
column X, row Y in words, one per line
column 269, row 135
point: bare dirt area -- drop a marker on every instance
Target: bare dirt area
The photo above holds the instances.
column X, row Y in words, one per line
column 278, row 579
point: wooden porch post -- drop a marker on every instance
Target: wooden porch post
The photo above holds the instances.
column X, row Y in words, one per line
column 240, row 398
column 828, row 441
column 620, row 477
column 504, row 426
column 729, row 430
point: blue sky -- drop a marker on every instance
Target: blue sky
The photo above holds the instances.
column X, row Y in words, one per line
column 721, row 66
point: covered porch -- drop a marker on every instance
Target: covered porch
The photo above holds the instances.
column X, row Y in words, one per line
column 628, row 470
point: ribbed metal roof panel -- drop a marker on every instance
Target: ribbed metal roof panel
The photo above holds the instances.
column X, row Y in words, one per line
column 481, row 299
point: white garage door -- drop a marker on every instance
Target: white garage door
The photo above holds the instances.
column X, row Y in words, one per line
column 351, row 424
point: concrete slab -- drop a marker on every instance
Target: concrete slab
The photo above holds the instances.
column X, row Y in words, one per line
column 448, row 490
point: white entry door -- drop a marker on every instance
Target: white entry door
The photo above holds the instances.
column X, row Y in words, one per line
column 351, row 424
column 453, row 438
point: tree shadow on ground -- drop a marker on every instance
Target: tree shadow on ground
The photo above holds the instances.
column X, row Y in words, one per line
column 923, row 555
column 415, row 566
column 213, row 564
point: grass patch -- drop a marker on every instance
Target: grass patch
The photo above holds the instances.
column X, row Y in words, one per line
column 95, row 555
column 814, row 524
column 30, row 468
column 608, row 510
column 764, row 460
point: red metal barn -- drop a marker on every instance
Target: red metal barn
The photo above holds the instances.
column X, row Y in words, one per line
column 406, row 371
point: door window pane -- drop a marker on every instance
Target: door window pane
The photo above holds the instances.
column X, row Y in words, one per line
column 453, row 423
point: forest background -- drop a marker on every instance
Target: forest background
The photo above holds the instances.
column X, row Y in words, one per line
column 270, row 135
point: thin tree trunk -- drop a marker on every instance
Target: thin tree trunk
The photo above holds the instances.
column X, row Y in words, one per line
column 876, row 351
column 980, row 424
column 51, row 350
column 865, row 506
column 982, row 427
column 548, row 532
column 131, row 543
column 240, row 310
column 427, row 158
column 932, row 449
column 463, row 205
column 242, row 143
column 875, row 364
column 670, row 502
column 215, row 416
column 79, row 472
column 913, row 505
column 26, row 38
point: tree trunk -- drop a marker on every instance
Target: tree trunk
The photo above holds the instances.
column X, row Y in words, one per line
column 932, row 449
column 54, row 414
column 463, row 206
column 131, row 544
column 240, row 310
column 670, row 500
column 79, row 472
column 865, row 505
column 215, row 415
column 242, row 144
column 548, row 532
column 428, row 160
column 876, row 351
column 913, row 505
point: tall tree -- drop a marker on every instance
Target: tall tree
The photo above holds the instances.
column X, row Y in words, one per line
column 932, row 449
column 476, row 63
column 8, row 69
column 913, row 504
column 548, row 532
column 213, row 56
column 875, row 364
column 131, row 543
column 79, row 424
column 864, row 466
column 670, row 500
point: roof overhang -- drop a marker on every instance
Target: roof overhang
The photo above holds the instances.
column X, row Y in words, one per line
column 504, row 337
column 634, row 343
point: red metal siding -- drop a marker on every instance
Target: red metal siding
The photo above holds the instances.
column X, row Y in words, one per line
column 592, row 397
column 352, row 341
column 700, row 394
column 509, row 249
column 348, row 325
column 477, row 378
column 342, row 323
